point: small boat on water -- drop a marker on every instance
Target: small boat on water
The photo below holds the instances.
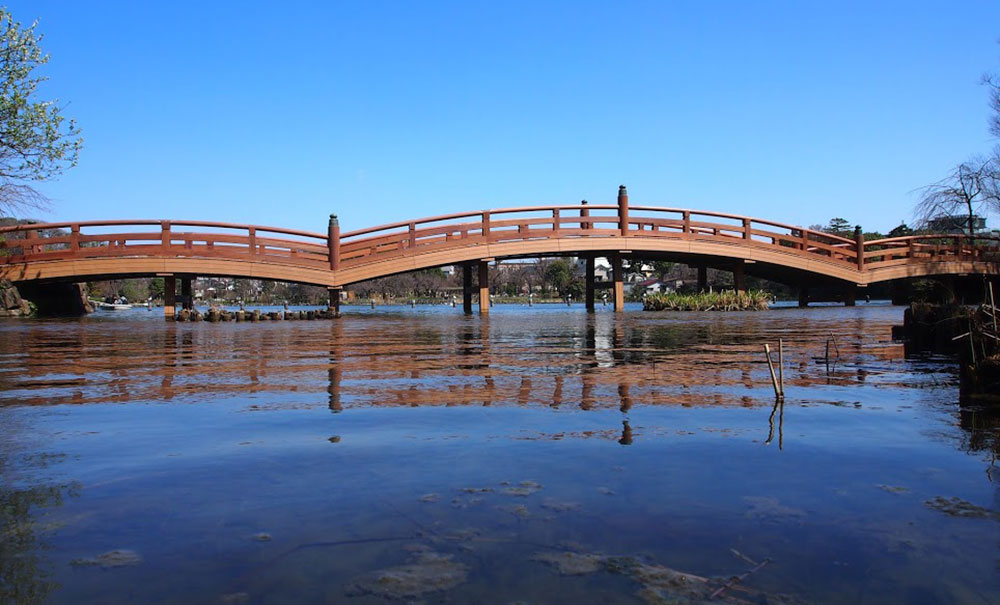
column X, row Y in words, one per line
column 104, row 306
column 113, row 304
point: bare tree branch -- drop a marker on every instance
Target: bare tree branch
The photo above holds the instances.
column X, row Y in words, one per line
column 972, row 188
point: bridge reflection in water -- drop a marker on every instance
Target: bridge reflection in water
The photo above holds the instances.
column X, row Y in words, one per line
column 78, row 251
column 601, row 361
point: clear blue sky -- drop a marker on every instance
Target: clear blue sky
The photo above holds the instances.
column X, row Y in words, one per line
column 281, row 113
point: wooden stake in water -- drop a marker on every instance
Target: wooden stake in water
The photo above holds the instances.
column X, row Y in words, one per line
column 770, row 366
column 781, row 366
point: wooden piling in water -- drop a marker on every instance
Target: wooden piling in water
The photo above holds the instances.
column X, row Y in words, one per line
column 778, row 393
column 781, row 366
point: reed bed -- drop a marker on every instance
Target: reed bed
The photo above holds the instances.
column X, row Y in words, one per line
column 726, row 300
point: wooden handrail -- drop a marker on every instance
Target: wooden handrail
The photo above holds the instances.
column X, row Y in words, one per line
column 336, row 250
column 124, row 223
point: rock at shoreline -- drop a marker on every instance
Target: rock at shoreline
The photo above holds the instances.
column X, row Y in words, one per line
column 11, row 303
column 57, row 299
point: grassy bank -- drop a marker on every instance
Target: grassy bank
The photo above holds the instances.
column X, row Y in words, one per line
column 727, row 300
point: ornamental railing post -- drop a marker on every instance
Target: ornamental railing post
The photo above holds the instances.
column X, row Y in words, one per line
column 623, row 210
column 486, row 226
column 859, row 243
column 74, row 238
column 584, row 212
column 333, row 241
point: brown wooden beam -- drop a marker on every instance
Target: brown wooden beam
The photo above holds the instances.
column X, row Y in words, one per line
column 623, row 210
column 187, row 299
column 618, row 277
column 739, row 277
column 484, row 287
column 169, row 296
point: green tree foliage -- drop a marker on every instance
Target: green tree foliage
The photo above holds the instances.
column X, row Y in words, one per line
column 559, row 274
column 663, row 268
column 901, row 231
column 156, row 288
column 839, row 226
column 36, row 142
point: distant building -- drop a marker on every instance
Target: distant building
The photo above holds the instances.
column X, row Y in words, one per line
column 956, row 223
column 653, row 286
column 602, row 268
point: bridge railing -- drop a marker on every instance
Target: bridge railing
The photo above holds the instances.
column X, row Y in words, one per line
column 193, row 239
column 201, row 239
column 585, row 220
column 930, row 248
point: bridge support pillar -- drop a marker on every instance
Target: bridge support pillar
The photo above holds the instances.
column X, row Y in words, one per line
column 187, row 300
column 169, row 296
column 618, row 277
column 467, row 288
column 739, row 278
column 484, row 287
column 334, row 300
column 850, row 296
column 702, row 278
column 803, row 296
column 590, row 284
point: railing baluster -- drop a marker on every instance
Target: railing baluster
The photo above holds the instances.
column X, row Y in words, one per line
column 746, row 228
column 486, row 225
column 555, row 222
column 165, row 234
column 413, row 234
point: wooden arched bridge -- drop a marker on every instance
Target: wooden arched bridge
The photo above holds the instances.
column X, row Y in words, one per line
column 79, row 251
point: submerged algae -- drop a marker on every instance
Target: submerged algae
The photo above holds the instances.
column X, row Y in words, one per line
column 428, row 572
column 657, row 584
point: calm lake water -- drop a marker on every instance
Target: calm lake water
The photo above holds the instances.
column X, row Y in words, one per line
column 538, row 455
